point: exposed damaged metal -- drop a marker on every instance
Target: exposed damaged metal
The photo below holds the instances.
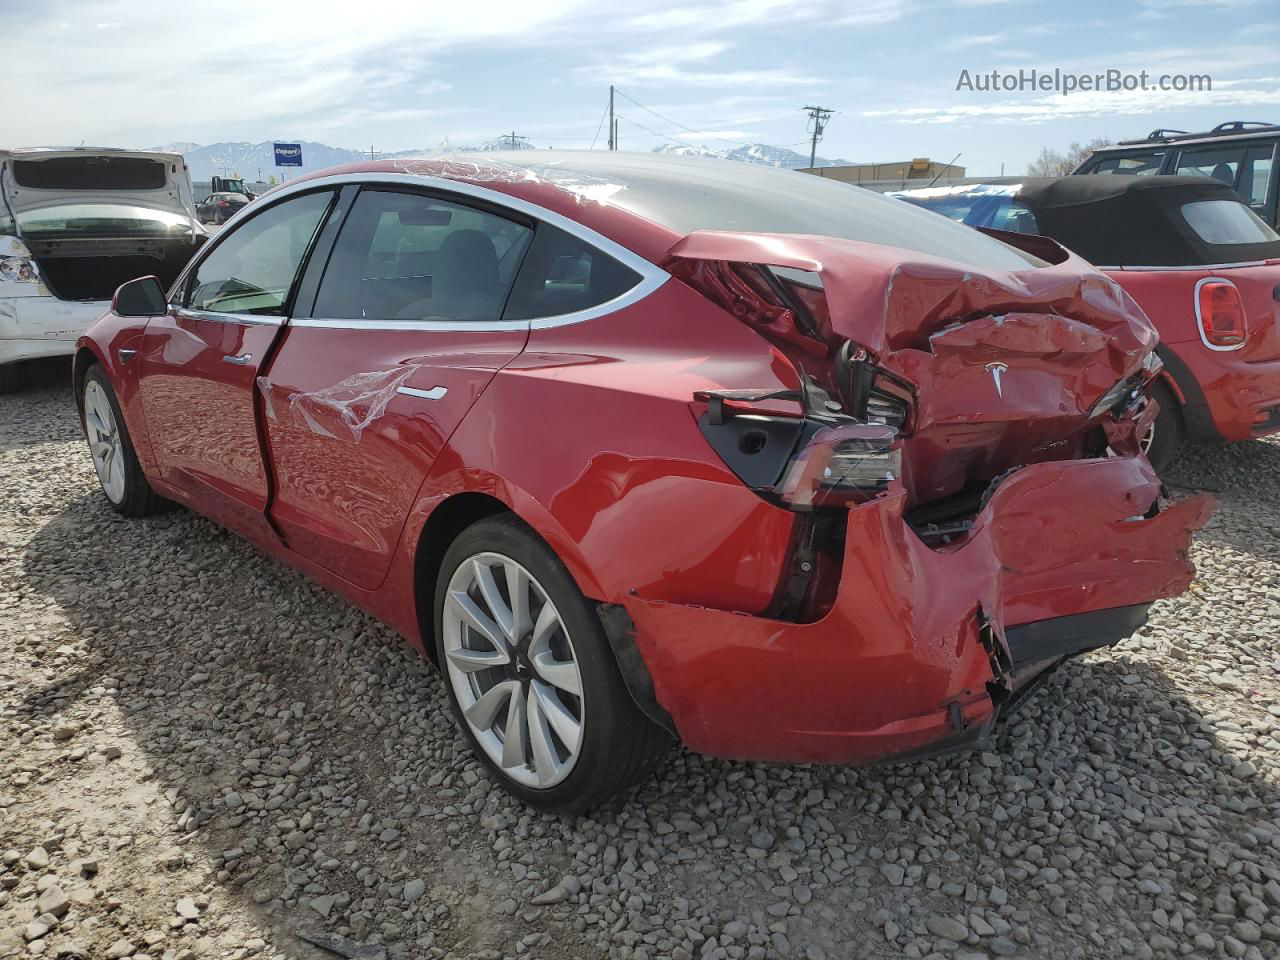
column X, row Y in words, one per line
column 349, row 406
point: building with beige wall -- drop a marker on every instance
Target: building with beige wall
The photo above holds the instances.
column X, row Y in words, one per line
column 921, row 168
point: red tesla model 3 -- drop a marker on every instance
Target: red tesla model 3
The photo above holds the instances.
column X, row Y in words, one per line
column 638, row 448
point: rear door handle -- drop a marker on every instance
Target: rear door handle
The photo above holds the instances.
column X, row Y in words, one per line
column 240, row 359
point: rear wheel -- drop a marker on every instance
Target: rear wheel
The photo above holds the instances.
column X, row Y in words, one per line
column 119, row 472
column 530, row 675
column 10, row 377
column 1167, row 431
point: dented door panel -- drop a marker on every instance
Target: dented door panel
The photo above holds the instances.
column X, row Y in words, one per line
column 354, row 420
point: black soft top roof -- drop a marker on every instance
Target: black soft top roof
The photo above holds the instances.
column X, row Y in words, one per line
column 1134, row 221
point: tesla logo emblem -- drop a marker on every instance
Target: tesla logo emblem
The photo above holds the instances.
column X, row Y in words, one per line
column 996, row 368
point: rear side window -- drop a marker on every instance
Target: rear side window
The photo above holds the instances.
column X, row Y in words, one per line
column 1226, row 222
column 1147, row 164
column 252, row 269
column 1221, row 163
column 408, row 256
column 563, row 274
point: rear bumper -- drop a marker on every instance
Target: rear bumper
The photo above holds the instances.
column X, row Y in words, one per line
column 922, row 647
column 32, row 327
column 1239, row 400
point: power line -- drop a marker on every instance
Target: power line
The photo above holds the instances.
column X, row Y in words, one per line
column 677, row 140
column 599, row 126
column 677, row 123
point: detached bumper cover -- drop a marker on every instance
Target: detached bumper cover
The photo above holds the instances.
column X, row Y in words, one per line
column 922, row 645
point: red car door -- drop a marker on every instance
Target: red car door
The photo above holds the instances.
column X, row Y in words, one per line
column 200, row 361
column 359, row 398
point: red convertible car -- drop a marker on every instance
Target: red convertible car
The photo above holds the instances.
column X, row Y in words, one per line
column 1194, row 256
column 639, row 448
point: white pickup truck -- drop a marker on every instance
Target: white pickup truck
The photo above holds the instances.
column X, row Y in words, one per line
column 74, row 225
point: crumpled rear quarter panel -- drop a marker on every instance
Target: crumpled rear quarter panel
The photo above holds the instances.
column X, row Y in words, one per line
column 874, row 677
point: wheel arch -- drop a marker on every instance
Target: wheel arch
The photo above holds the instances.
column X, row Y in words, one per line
column 85, row 357
column 455, row 512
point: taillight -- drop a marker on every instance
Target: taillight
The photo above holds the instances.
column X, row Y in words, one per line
column 1220, row 315
column 841, row 466
column 19, row 270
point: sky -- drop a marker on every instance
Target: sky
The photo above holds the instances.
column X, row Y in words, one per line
column 419, row 74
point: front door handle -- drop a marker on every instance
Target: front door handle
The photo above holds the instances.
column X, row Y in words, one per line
column 240, row 359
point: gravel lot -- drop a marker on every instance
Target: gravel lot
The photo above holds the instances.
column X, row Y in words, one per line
column 202, row 754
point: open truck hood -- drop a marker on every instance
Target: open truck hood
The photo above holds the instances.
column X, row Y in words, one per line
column 36, row 179
column 994, row 369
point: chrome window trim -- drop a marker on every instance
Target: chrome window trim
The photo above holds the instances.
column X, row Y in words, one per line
column 257, row 318
column 1204, row 266
column 1195, row 298
column 338, row 323
column 651, row 276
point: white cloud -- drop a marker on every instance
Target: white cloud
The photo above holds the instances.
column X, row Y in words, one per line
column 1059, row 107
column 967, row 42
column 160, row 77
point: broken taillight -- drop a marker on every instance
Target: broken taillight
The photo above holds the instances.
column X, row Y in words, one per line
column 842, row 465
column 1220, row 315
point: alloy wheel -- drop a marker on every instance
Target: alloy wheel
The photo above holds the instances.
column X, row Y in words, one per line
column 1147, row 439
column 513, row 669
column 105, row 443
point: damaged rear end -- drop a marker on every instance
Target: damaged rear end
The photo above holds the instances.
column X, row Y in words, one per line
column 961, row 452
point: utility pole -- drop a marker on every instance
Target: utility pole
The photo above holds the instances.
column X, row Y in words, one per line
column 512, row 141
column 615, row 135
column 373, row 154
column 818, row 117
column 613, row 124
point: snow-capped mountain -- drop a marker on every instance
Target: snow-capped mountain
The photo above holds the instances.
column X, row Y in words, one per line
column 181, row 146
column 760, row 153
column 257, row 160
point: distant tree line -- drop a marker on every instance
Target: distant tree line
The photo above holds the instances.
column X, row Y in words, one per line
column 1052, row 163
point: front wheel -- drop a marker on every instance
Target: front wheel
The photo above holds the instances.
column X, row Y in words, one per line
column 10, row 377
column 530, row 675
column 119, row 472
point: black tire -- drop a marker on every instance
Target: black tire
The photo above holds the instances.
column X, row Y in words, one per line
column 138, row 499
column 10, row 377
column 620, row 745
column 1169, row 428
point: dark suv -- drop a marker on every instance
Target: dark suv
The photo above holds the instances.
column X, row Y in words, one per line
column 1240, row 153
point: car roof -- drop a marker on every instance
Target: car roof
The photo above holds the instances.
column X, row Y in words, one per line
column 1232, row 130
column 648, row 201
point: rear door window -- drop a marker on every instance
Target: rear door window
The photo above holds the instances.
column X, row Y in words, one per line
column 565, row 274
column 1255, row 176
column 1221, row 163
column 410, row 256
column 252, row 270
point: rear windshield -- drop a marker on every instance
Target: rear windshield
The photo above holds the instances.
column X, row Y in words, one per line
column 90, row 173
column 1226, row 222
column 71, row 220
column 724, row 197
